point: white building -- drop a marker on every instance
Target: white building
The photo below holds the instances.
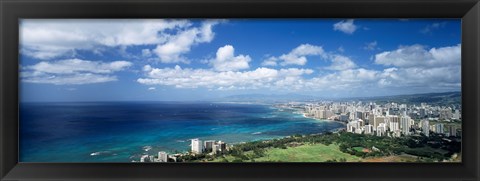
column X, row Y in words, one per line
column 144, row 158
column 405, row 124
column 456, row 115
column 381, row 129
column 425, row 127
column 197, row 146
column 394, row 126
column 353, row 126
column 162, row 156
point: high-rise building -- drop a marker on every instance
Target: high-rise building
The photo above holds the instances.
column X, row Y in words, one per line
column 208, row 145
column 378, row 120
column 394, row 126
column 358, row 115
column 381, row 129
column 162, row 156
column 371, row 120
column 393, row 123
column 343, row 118
column 439, row 128
column 422, row 112
column 219, row 147
column 425, row 127
column 456, row 115
column 369, row 129
column 353, row 126
column 405, row 124
column 452, row 130
column 223, row 146
column 197, row 146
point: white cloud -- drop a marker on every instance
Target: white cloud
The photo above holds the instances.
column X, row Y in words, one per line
column 447, row 77
column 371, row 46
column 146, row 53
column 226, row 60
column 390, row 80
column 418, row 55
column 340, row 62
column 346, row 26
column 176, row 46
column 415, row 67
column 345, row 77
column 298, row 56
column 72, row 71
column 76, row 65
column 77, row 79
column 48, row 39
column 432, row 27
column 195, row 78
column 151, row 88
column 344, row 80
column 270, row 61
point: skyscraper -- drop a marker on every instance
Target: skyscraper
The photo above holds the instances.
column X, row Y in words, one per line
column 162, row 156
column 208, row 145
column 439, row 128
column 425, row 127
column 197, row 146
column 378, row 120
column 405, row 125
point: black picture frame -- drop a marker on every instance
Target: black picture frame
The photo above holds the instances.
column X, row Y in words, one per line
column 13, row 10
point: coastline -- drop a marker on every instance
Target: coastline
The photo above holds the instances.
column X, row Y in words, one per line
column 305, row 116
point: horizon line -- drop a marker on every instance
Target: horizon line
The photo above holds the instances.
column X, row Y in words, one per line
column 212, row 99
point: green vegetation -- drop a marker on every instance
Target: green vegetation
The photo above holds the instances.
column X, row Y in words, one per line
column 308, row 153
column 333, row 147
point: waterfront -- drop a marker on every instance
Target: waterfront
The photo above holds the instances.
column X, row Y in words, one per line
column 123, row 131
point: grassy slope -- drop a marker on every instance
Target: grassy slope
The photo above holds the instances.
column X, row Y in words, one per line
column 304, row 153
column 307, row 153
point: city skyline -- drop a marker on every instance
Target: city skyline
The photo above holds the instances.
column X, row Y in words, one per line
column 105, row 60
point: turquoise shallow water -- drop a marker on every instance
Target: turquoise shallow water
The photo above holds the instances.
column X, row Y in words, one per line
column 122, row 131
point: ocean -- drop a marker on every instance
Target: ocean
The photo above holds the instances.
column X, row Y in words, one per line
column 123, row 131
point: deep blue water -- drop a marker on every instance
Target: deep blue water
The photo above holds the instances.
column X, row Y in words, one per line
column 122, row 131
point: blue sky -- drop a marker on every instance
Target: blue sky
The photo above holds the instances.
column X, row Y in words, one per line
column 197, row 59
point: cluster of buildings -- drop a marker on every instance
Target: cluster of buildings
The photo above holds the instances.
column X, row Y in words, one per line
column 390, row 119
column 208, row 146
column 197, row 147
column 161, row 157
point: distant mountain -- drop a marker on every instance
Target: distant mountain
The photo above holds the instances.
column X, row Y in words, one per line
column 444, row 98
column 268, row 98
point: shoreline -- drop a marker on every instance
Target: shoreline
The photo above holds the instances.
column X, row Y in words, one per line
column 305, row 116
